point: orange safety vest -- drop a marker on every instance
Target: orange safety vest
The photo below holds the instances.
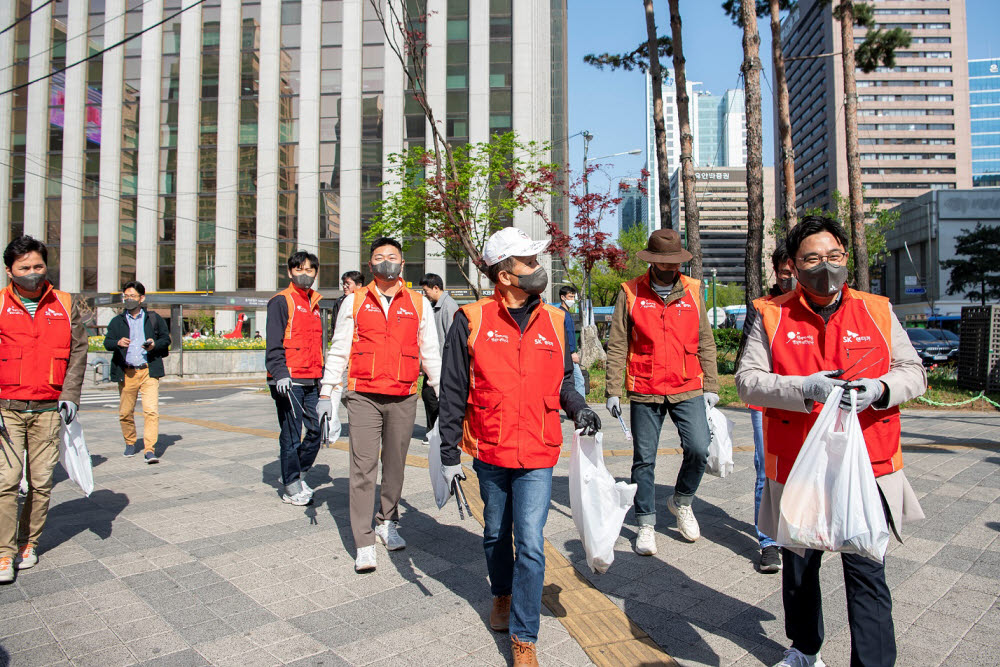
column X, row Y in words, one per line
column 303, row 339
column 385, row 353
column 663, row 343
column 801, row 344
column 34, row 351
column 512, row 417
column 759, row 305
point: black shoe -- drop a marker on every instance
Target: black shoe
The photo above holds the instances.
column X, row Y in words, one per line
column 770, row 560
column 151, row 458
column 129, row 450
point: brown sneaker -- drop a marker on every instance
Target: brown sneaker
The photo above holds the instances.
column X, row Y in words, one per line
column 523, row 653
column 500, row 614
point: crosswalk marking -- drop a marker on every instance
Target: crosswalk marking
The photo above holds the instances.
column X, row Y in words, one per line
column 96, row 399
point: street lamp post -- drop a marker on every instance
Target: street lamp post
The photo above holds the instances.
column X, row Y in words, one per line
column 715, row 313
column 587, row 315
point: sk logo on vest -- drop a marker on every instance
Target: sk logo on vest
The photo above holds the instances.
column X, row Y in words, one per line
column 369, row 307
column 301, row 309
column 496, row 337
column 14, row 310
column 52, row 313
column 646, row 304
column 404, row 311
column 796, row 338
column 853, row 337
column 542, row 340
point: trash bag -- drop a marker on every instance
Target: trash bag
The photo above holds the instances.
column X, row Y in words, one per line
column 438, row 482
column 23, row 489
column 598, row 503
column 75, row 457
column 830, row 500
column 720, row 449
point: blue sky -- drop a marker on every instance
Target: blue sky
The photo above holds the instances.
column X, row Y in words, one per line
column 611, row 105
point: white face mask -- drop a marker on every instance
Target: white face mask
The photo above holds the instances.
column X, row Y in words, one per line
column 571, row 303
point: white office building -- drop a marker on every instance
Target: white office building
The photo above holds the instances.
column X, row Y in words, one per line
column 200, row 154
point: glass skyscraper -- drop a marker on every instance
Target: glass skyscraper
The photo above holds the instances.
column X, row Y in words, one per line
column 984, row 98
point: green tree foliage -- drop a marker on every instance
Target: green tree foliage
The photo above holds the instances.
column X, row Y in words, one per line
column 638, row 58
column 976, row 271
column 463, row 206
column 879, row 222
column 605, row 281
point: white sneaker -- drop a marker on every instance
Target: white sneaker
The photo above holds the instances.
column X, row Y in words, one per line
column 365, row 562
column 796, row 658
column 306, row 488
column 645, row 544
column 387, row 533
column 299, row 499
column 686, row 523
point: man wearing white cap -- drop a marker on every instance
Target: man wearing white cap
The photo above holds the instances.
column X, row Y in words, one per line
column 506, row 372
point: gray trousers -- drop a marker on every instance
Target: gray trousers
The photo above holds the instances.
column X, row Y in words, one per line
column 377, row 421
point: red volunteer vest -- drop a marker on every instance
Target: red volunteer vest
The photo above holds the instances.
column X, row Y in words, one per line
column 34, row 351
column 802, row 345
column 663, row 344
column 759, row 305
column 303, row 339
column 385, row 353
column 512, row 417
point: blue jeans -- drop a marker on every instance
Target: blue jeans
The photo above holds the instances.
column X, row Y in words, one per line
column 757, row 421
column 516, row 506
column 691, row 421
column 298, row 453
column 578, row 383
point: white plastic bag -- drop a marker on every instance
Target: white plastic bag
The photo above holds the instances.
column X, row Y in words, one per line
column 335, row 424
column 598, row 503
column 23, row 489
column 438, row 482
column 830, row 500
column 720, row 449
column 75, row 457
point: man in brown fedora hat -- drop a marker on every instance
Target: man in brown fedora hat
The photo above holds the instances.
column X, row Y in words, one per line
column 663, row 352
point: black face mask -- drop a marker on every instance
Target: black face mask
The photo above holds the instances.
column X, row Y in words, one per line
column 823, row 279
column 665, row 276
column 29, row 282
column 387, row 270
column 787, row 284
column 534, row 282
column 303, row 280
column 130, row 304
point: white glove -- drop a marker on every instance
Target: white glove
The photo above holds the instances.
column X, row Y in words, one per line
column 869, row 391
column 284, row 385
column 614, row 406
column 817, row 387
column 711, row 399
column 450, row 473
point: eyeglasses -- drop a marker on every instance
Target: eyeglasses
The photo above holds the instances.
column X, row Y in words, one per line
column 813, row 259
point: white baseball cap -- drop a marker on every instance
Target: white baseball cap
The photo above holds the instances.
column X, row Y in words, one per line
column 511, row 242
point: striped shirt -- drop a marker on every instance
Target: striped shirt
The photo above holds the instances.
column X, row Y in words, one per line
column 30, row 305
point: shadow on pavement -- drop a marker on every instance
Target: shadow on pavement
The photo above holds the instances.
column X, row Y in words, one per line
column 164, row 442
column 96, row 514
column 59, row 473
column 669, row 605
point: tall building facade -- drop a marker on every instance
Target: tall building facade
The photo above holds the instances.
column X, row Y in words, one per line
column 200, row 154
column 718, row 127
column 913, row 118
column 633, row 207
column 984, row 98
column 722, row 209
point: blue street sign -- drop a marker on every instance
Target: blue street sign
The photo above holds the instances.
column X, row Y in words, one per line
column 916, row 290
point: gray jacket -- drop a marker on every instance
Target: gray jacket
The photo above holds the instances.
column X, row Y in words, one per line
column 444, row 314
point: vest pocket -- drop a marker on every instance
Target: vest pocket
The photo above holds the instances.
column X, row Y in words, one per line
column 692, row 365
column 60, row 360
column 409, row 367
column 641, row 365
column 362, row 363
column 552, row 425
column 10, row 365
column 484, row 416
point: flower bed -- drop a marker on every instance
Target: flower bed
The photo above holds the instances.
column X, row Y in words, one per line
column 96, row 343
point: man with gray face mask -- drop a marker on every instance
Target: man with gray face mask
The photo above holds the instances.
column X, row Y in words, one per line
column 384, row 333
column 43, row 357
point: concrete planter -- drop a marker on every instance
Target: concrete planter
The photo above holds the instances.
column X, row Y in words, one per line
column 196, row 364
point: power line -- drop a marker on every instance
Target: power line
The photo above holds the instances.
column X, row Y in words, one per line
column 26, row 16
column 104, row 50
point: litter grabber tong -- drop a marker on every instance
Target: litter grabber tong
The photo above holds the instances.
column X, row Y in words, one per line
column 850, row 370
column 456, row 487
column 628, row 434
column 324, row 430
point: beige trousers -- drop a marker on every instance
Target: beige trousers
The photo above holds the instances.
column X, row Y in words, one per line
column 385, row 423
column 36, row 433
column 137, row 381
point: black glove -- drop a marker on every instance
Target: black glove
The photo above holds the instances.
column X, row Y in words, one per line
column 587, row 420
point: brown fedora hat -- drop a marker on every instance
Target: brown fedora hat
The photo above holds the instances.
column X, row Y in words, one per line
column 664, row 247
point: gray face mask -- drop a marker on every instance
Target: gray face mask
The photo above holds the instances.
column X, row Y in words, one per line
column 787, row 284
column 131, row 304
column 665, row 276
column 387, row 270
column 303, row 280
column 824, row 279
column 29, row 282
column 534, row 282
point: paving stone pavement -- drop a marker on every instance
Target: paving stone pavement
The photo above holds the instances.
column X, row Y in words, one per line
column 196, row 561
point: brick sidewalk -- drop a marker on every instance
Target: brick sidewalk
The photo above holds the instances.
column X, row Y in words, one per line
column 196, row 561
